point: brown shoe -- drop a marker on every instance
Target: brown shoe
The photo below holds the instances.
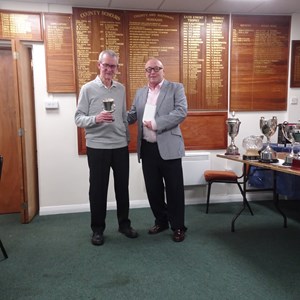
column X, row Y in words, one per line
column 157, row 229
column 178, row 235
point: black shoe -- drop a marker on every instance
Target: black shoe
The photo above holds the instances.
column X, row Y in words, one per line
column 97, row 239
column 157, row 229
column 129, row 232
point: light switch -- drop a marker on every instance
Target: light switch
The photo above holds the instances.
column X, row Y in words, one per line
column 51, row 104
column 294, row 101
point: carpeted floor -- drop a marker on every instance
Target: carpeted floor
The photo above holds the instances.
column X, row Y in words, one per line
column 52, row 258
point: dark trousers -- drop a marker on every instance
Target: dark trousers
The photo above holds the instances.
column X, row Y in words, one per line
column 163, row 176
column 100, row 161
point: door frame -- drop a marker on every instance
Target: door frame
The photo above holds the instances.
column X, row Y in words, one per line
column 24, row 97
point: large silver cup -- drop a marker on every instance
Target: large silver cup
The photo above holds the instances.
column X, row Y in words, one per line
column 291, row 131
column 233, row 125
column 268, row 128
column 109, row 105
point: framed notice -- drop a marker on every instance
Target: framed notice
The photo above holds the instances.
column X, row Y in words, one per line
column 295, row 64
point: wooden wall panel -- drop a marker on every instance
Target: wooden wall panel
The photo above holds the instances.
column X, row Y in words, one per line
column 205, row 130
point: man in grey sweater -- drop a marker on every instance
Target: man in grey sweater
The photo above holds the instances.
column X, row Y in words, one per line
column 107, row 138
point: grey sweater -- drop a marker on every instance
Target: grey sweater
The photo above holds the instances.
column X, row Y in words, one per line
column 103, row 135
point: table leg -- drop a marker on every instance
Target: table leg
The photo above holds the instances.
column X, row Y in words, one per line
column 276, row 202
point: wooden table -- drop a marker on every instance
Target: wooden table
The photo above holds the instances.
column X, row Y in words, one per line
column 275, row 167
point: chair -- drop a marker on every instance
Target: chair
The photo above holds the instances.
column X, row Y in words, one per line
column 1, row 245
column 214, row 176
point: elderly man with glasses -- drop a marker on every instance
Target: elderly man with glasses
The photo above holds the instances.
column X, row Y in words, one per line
column 159, row 108
column 107, row 137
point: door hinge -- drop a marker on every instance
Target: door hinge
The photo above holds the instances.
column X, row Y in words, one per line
column 20, row 132
column 15, row 55
column 24, row 205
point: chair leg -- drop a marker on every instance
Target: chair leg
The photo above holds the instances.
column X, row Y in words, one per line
column 3, row 249
column 208, row 196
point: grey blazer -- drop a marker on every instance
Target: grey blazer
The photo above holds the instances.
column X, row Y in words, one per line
column 171, row 110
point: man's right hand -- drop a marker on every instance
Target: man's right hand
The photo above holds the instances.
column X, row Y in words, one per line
column 104, row 117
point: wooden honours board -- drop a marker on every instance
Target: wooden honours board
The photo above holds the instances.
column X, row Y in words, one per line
column 59, row 53
column 193, row 48
column 23, row 26
column 295, row 64
column 259, row 63
column 204, row 62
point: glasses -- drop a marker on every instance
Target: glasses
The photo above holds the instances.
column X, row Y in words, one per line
column 106, row 66
column 155, row 69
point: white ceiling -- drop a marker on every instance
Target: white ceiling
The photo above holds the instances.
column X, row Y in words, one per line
column 194, row 6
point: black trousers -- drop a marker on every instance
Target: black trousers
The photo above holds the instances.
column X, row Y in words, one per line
column 100, row 161
column 163, row 176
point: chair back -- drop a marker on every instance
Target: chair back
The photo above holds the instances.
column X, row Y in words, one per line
column 1, row 163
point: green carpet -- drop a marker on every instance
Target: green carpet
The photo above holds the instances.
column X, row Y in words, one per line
column 52, row 257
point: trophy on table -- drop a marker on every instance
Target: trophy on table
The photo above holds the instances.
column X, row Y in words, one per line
column 109, row 105
column 233, row 125
column 252, row 144
column 268, row 128
column 291, row 132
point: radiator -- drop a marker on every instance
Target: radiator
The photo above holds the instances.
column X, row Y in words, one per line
column 194, row 164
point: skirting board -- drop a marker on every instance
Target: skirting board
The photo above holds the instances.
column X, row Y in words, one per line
column 77, row 208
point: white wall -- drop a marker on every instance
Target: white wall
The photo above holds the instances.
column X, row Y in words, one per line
column 63, row 174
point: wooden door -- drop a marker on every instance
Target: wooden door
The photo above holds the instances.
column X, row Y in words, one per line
column 23, row 71
column 19, row 192
column 11, row 191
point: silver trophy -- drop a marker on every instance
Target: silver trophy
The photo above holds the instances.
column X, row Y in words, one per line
column 268, row 128
column 291, row 132
column 109, row 105
column 233, row 125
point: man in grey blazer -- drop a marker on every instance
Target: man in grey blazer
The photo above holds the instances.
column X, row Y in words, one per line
column 159, row 108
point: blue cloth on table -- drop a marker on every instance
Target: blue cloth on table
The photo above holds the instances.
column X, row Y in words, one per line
column 286, row 184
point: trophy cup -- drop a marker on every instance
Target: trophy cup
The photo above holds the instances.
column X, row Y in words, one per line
column 252, row 144
column 268, row 128
column 109, row 105
column 291, row 132
column 233, row 125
